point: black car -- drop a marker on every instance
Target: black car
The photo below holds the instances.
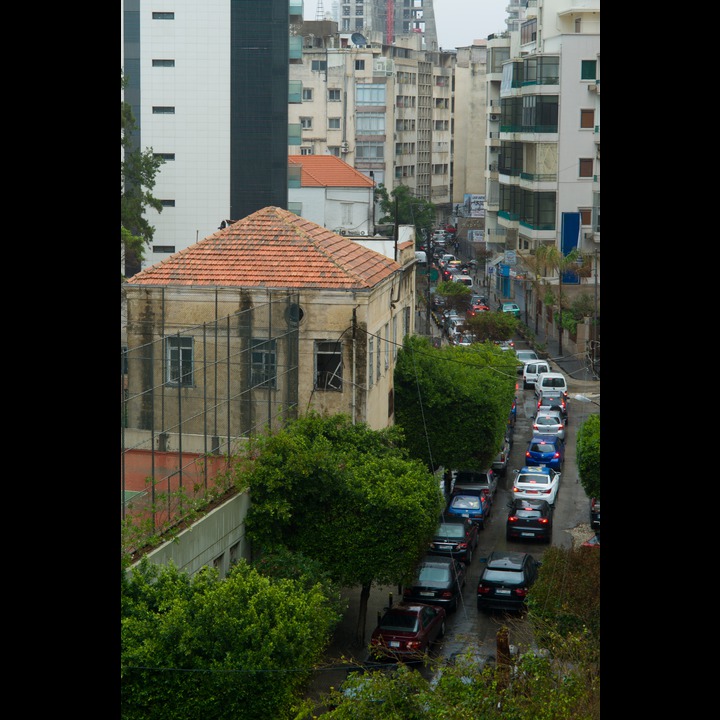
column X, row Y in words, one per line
column 456, row 539
column 438, row 581
column 595, row 513
column 529, row 519
column 505, row 580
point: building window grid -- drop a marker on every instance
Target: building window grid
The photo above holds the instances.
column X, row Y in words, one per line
column 333, row 95
column 307, row 94
column 163, row 63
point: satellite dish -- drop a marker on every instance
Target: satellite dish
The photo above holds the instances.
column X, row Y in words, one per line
column 358, row 39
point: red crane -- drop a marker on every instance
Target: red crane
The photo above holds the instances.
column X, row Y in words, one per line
column 389, row 22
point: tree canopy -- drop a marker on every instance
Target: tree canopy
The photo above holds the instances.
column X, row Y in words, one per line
column 588, row 455
column 237, row 648
column 345, row 495
column 404, row 208
column 453, row 402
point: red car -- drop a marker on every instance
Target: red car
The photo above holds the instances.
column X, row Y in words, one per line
column 406, row 631
column 593, row 542
column 476, row 309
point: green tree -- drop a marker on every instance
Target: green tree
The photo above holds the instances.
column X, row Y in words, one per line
column 453, row 403
column 234, row 648
column 493, row 325
column 457, row 295
column 346, row 496
column 401, row 206
column 138, row 170
column 588, row 455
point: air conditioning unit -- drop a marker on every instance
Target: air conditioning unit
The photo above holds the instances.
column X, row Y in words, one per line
column 495, row 118
column 344, row 147
column 592, row 87
column 388, row 73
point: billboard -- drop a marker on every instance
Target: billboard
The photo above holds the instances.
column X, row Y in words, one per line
column 474, row 205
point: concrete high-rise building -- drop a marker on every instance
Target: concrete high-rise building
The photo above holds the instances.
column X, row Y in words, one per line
column 208, row 87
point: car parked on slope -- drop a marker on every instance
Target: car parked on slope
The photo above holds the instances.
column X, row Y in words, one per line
column 472, row 504
column 476, row 479
column 546, row 450
column 511, row 308
column 551, row 381
column 549, row 422
column 530, row 371
column 500, row 463
column 506, row 580
column 456, row 538
column 406, row 631
column 536, row 483
column 438, row 581
column 553, row 400
column 529, row 519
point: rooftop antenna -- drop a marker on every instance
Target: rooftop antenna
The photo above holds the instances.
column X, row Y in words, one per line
column 319, row 10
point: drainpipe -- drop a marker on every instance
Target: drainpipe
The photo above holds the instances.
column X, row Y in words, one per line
column 354, row 333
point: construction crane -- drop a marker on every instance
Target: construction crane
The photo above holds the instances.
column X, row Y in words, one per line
column 389, row 22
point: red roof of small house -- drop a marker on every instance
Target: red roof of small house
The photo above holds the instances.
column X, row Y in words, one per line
column 328, row 171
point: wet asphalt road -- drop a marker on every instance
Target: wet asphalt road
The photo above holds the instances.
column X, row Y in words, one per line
column 469, row 626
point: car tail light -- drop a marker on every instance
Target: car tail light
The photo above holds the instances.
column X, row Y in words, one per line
column 462, row 546
column 483, row 589
column 521, row 592
column 413, row 644
column 556, row 455
column 516, row 489
column 543, row 521
column 406, row 592
column 527, row 453
column 512, row 518
column 446, row 594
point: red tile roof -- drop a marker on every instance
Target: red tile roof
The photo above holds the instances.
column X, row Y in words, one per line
column 272, row 248
column 328, row 171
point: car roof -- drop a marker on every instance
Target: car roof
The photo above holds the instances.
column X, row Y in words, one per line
column 535, row 470
column 530, row 502
column 506, row 559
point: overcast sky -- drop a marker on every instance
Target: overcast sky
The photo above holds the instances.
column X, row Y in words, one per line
column 458, row 22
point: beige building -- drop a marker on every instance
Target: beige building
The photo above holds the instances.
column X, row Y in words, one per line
column 384, row 109
column 267, row 319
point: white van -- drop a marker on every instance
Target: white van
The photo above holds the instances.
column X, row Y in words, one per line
column 421, row 257
column 464, row 279
column 531, row 370
column 551, row 381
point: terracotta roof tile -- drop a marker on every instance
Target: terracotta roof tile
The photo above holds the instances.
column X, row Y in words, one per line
column 272, row 248
column 328, row 171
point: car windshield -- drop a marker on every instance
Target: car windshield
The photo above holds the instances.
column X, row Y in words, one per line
column 506, row 577
column 546, row 420
column 466, row 502
column 399, row 621
column 451, row 530
column 533, row 480
column 528, row 513
column 542, row 448
column 433, row 574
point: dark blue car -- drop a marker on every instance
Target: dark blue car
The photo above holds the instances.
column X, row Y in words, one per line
column 547, row 450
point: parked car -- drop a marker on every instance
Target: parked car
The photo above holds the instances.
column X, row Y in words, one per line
column 505, row 580
column 530, row 371
column 455, row 538
column 595, row 513
column 472, row 504
column 510, row 307
column 438, row 581
column 546, row 450
column 526, row 355
column 551, row 381
column 500, row 463
column 406, row 631
column 529, row 519
column 476, row 309
column 549, row 422
column 478, row 299
column 536, row 483
column 476, row 479
column 505, row 344
column 552, row 400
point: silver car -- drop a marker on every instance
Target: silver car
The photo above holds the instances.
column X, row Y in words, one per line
column 549, row 422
